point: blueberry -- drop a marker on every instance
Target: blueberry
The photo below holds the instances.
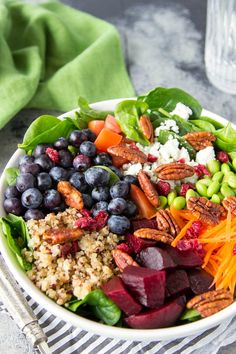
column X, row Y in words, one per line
column 44, row 162
column 88, row 149
column 26, row 159
column 40, row 149
column 117, row 171
column 25, row 181
column 34, row 214
column 31, row 198
column 66, row 158
column 99, row 207
column 88, row 201
column 11, row 192
column 61, row 143
column 118, row 224
column 52, row 199
column 131, row 209
column 117, row 206
column 44, row 181
column 130, row 179
column 78, row 181
column 81, row 163
column 96, row 177
column 30, row 167
column 58, row 174
column 101, row 193
column 102, row 159
column 13, row 206
column 120, row 189
column 59, row 208
column 77, row 137
column 89, row 134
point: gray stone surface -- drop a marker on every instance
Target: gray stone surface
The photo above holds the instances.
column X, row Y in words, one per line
column 164, row 46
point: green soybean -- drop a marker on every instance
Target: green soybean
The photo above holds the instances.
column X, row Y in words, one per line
column 220, row 195
column 201, row 189
column 218, row 176
column 215, row 199
column 232, row 181
column 225, row 167
column 162, row 202
column 171, row 196
column 206, row 181
column 227, row 176
column 213, row 188
column 226, row 190
column 234, row 164
column 190, row 193
column 179, row 203
column 214, row 166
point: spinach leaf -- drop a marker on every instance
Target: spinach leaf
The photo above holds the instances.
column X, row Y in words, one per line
column 113, row 176
column 102, row 307
column 165, row 135
column 11, row 174
column 46, row 129
column 216, row 124
column 204, row 125
column 190, row 315
column 167, row 98
column 127, row 114
column 18, row 227
column 226, row 138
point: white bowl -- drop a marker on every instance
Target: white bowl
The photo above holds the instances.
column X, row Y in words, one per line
column 66, row 315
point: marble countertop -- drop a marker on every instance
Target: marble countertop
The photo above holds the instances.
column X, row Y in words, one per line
column 164, row 46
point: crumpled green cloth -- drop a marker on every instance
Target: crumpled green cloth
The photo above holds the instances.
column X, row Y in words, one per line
column 51, row 53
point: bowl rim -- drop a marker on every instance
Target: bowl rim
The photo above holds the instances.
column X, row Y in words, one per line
column 89, row 325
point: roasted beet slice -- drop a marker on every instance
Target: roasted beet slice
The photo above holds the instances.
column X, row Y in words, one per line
column 137, row 244
column 184, row 259
column 155, row 258
column 200, row 281
column 147, row 285
column 143, row 223
column 165, row 316
column 117, row 292
column 176, row 282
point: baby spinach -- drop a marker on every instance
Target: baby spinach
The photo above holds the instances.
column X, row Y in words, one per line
column 11, row 174
column 214, row 122
column 127, row 114
column 204, row 125
column 113, row 176
column 167, row 98
column 226, row 138
column 165, row 135
column 190, row 315
column 102, row 307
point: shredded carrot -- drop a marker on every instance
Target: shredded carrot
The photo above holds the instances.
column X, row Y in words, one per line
column 182, row 233
column 228, row 225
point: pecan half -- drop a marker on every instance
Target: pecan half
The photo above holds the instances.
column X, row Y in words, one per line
column 200, row 140
column 174, row 171
column 148, row 188
column 211, row 302
column 166, row 222
column 147, row 128
column 72, row 196
column 127, row 153
column 205, row 210
column 155, row 235
column 123, row 259
column 229, row 203
column 62, row 235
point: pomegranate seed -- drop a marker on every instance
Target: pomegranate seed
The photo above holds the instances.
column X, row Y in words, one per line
column 151, row 158
column 163, row 188
column 201, row 170
column 181, row 161
column 185, row 187
column 125, row 248
column 53, row 154
column 222, row 156
column 234, row 249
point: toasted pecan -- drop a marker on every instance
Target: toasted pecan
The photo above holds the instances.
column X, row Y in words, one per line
column 123, row 259
column 174, row 171
column 229, row 203
column 146, row 127
column 166, row 222
column 72, row 196
column 148, row 188
column 200, row 140
column 62, row 235
column 207, row 211
column 127, row 153
column 153, row 234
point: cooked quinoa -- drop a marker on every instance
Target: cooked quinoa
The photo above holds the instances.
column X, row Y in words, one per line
column 61, row 278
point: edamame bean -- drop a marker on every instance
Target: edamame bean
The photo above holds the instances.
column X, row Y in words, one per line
column 226, row 190
column 234, row 164
column 213, row 166
column 220, row 195
column 201, row 189
column 171, row 196
column 225, row 167
column 179, row 203
column 232, row 181
column 218, row 176
column 213, row 188
column 227, row 176
column 205, row 181
column 162, row 202
column 190, row 193
column 215, row 199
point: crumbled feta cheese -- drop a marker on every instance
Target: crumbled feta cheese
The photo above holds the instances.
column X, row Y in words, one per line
column 132, row 169
column 169, row 124
column 182, row 111
column 205, row 155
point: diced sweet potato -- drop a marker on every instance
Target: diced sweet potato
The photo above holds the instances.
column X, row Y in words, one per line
column 155, row 258
column 176, row 282
column 137, row 243
column 164, row 316
column 116, row 291
column 184, row 259
column 143, row 223
column 200, row 281
column 147, row 285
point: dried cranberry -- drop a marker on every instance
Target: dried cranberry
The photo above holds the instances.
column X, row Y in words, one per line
column 101, row 219
column 185, row 187
column 86, row 223
column 151, row 158
column 125, row 248
column 194, row 231
column 181, row 161
column 222, row 156
column 85, row 212
column 234, row 249
column 201, row 170
column 193, row 245
column 65, row 250
column 197, row 226
column 53, row 154
column 134, row 146
column 93, row 224
column 163, row 188
column 74, row 247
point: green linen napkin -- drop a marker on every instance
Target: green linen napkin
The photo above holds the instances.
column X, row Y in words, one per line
column 50, row 54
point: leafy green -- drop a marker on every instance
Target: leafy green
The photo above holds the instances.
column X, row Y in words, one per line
column 15, row 231
column 11, row 174
column 46, row 129
column 214, row 122
column 190, row 315
column 204, row 125
column 102, row 307
column 127, row 114
column 165, row 135
column 113, row 176
column 226, row 138
column 167, row 98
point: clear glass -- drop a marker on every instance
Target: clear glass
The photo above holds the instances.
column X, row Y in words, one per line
column 220, row 45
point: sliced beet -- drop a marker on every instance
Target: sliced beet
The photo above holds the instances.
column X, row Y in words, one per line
column 143, row 223
column 116, row 291
column 165, row 316
column 155, row 258
column 176, row 282
column 200, row 281
column 184, row 259
column 137, row 244
column 147, row 285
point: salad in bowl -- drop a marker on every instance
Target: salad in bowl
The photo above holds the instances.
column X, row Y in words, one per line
column 126, row 217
